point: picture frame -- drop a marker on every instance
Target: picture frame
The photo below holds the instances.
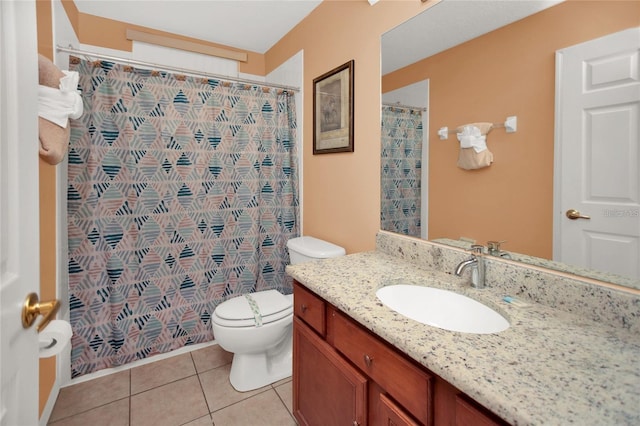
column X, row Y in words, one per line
column 333, row 110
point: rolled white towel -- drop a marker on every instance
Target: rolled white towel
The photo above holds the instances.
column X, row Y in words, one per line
column 471, row 137
column 58, row 105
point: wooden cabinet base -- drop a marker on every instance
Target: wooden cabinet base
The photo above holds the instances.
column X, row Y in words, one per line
column 355, row 378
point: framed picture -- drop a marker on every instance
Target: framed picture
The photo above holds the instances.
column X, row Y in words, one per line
column 333, row 110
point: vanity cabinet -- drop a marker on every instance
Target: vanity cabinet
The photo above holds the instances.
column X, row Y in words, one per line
column 328, row 391
column 345, row 375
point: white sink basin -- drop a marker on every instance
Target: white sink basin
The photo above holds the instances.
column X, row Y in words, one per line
column 442, row 308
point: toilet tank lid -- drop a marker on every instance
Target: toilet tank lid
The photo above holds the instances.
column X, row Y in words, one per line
column 314, row 247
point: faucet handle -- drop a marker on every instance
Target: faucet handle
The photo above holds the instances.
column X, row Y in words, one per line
column 477, row 249
column 495, row 245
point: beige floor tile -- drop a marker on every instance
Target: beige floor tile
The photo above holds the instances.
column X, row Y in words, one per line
column 161, row 372
column 202, row 421
column 113, row 414
column 211, row 357
column 264, row 409
column 218, row 390
column 285, row 392
column 94, row 393
column 172, row 404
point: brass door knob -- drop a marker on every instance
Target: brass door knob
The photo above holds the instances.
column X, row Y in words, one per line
column 32, row 308
column 575, row 214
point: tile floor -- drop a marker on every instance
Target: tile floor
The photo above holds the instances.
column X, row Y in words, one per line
column 190, row 389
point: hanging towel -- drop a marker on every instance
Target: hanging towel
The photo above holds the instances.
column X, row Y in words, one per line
column 59, row 104
column 474, row 153
column 58, row 99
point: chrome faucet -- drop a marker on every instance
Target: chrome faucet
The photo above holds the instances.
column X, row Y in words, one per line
column 477, row 266
column 493, row 247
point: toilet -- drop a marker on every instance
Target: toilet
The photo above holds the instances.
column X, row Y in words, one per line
column 257, row 327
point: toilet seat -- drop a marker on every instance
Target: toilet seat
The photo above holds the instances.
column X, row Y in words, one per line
column 268, row 306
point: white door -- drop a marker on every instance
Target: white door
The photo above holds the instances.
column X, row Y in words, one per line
column 19, row 245
column 597, row 155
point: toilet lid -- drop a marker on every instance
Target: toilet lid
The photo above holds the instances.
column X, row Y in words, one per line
column 262, row 306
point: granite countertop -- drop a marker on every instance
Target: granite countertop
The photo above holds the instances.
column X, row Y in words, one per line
column 549, row 367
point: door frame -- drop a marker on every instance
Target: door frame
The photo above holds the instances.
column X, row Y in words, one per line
column 20, row 214
column 557, row 156
column 558, row 160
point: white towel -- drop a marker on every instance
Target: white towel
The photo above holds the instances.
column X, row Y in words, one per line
column 471, row 137
column 58, row 105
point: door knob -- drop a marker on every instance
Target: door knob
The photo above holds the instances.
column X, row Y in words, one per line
column 33, row 307
column 575, row 214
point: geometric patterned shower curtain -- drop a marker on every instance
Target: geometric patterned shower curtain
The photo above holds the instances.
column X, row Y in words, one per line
column 182, row 192
column 401, row 167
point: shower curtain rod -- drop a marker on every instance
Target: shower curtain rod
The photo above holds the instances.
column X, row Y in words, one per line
column 399, row 105
column 174, row 69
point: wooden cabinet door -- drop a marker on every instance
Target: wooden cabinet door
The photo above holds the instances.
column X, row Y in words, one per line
column 470, row 414
column 391, row 414
column 326, row 389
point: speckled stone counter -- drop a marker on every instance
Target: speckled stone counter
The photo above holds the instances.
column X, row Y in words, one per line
column 556, row 266
column 558, row 363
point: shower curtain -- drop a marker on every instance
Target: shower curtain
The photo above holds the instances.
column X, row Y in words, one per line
column 182, row 192
column 401, row 165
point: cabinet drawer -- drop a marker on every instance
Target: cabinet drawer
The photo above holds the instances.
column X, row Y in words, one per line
column 402, row 380
column 309, row 307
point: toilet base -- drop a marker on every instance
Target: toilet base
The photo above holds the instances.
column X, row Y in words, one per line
column 253, row 371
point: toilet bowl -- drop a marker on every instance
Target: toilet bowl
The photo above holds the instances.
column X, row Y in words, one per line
column 257, row 327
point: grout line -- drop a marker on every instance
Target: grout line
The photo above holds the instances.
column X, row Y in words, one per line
column 267, row 388
column 130, row 406
column 163, row 384
column 191, row 421
column 202, row 388
column 284, row 403
column 54, row 422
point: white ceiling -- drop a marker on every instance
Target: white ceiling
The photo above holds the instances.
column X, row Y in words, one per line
column 254, row 25
column 448, row 24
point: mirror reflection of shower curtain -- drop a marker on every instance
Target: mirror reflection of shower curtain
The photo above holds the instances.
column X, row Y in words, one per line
column 182, row 192
column 401, row 166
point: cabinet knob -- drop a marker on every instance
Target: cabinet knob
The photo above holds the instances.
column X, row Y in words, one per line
column 368, row 360
column 303, row 308
column 355, row 423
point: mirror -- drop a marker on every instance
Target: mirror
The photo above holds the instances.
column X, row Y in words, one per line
column 462, row 62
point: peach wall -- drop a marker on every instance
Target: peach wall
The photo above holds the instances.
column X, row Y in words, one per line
column 510, row 71
column 47, row 182
column 342, row 191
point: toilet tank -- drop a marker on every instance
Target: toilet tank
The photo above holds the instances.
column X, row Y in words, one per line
column 304, row 249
